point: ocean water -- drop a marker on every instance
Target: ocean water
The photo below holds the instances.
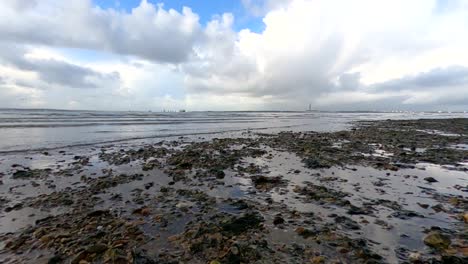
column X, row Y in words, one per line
column 25, row 130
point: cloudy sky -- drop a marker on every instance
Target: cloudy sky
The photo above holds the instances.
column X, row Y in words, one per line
column 234, row 54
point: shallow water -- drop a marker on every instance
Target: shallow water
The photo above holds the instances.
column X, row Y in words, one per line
column 22, row 130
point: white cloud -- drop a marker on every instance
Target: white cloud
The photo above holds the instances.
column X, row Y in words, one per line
column 148, row 31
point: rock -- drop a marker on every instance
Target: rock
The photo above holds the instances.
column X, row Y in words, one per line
column 463, row 251
column 414, row 257
column 383, row 224
column 39, row 232
column 21, row 174
column 17, row 243
column 219, row 174
column 278, row 220
column 315, row 163
column 390, row 167
column 144, row 211
column 140, row 257
column 305, row 233
column 406, row 214
column 318, row 192
column 454, row 201
column 465, row 217
column 347, row 223
column 342, row 250
column 67, row 202
column 439, row 208
column 425, row 206
column 173, row 238
column 234, row 250
column 97, row 213
column 318, row 260
column 55, row 259
column 454, row 260
column 236, row 226
column 354, row 210
column 46, row 238
column 267, row 183
column 183, row 206
column 430, row 179
column 113, row 255
column 437, row 240
column 14, row 207
column 240, row 205
column 78, row 257
column 149, row 185
column 96, row 248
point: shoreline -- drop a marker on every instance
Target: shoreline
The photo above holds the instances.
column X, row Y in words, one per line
column 383, row 192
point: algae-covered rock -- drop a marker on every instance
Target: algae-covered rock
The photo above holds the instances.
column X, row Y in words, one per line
column 437, row 240
column 239, row 225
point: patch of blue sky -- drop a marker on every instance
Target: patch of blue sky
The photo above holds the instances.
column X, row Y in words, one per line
column 171, row 84
column 206, row 10
column 86, row 56
column 443, row 6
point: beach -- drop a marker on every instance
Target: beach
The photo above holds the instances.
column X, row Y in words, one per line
column 270, row 187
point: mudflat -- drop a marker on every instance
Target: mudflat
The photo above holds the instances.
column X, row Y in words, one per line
column 382, row 192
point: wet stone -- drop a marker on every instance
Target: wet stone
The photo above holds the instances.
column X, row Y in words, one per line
column 437, row 240
column 406, row 214
column 430, row 179
column 278, row 220
column 267, row 183
column 347, row 223
column 240, row 224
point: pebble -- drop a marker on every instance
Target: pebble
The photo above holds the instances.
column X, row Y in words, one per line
column 430, row 179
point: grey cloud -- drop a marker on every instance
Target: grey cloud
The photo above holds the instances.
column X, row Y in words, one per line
column 148, row 31
column 458, row 99
column 21, row 5
column 436, row 89
column 53, row 71
column 349, row 81
column 435, row 78
column 62, row 73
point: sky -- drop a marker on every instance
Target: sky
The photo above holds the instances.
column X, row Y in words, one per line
column 142, row 55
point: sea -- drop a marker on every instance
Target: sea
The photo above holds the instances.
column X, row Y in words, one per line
column 23, row 130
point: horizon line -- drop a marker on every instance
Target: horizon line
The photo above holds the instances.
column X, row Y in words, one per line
column 271, row 110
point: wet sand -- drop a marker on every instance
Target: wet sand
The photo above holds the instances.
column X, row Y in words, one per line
column 382, row 192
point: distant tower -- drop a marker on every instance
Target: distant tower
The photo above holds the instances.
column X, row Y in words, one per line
column 310, row 107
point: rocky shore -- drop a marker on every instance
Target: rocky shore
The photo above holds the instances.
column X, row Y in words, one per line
column 383, row 192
